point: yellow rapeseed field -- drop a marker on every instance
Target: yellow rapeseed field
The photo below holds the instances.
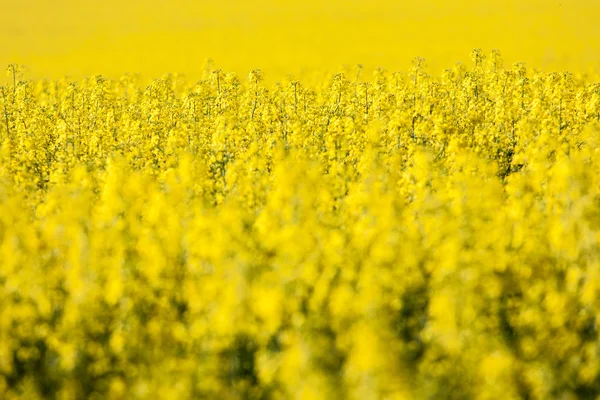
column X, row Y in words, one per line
column 79, row 38
column 400, row 235
column 317, row 229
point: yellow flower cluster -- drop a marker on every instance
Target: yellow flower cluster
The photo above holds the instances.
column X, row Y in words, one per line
column 396, row 236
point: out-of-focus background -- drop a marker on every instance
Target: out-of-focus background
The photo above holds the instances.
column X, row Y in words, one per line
column 78, row 37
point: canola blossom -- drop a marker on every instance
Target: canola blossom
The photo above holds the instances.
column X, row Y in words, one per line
column 396, row 235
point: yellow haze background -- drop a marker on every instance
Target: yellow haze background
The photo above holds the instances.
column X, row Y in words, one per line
column 110, row 37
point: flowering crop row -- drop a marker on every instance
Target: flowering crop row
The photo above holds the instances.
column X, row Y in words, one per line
column 396, row 236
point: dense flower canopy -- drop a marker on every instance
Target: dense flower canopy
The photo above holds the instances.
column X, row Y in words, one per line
column 399, row 235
